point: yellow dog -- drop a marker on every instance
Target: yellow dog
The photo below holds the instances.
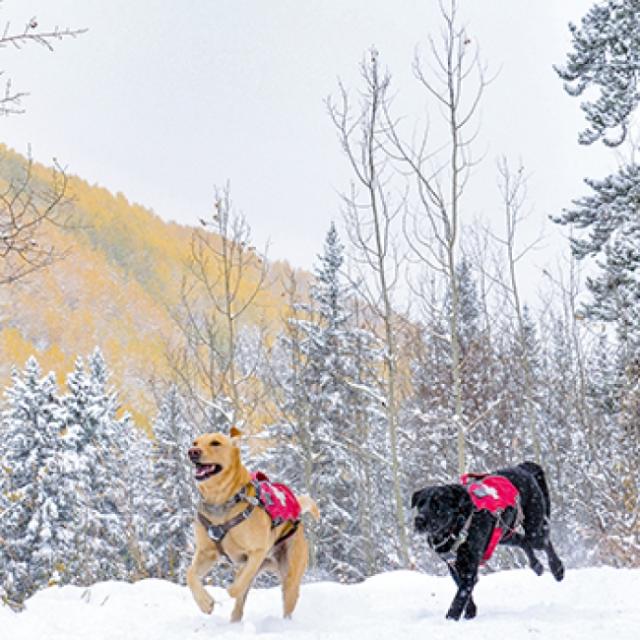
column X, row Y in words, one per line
column 230, row 522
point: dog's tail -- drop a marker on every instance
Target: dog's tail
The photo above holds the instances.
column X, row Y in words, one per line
column 538, row 473
column 308, row 505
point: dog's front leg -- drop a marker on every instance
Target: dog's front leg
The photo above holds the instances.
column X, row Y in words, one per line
column 470, row 611
column 247, row 573
column 463, row 598
column 203, row 561
column 467, row 564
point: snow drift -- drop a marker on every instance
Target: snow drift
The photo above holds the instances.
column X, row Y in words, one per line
column 590, row 604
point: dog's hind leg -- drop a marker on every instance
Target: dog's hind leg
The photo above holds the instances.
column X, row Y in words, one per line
column 538, row 538
column 203, row 561
column 520, row 541
column 537, row 524
column 555, row 564
column 292, row 564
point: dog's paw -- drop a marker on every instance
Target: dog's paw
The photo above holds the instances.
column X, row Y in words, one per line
column 205, row 602
column 471, row 611
column 236, row 616
column 234, row 591
column 538, row 568
column 453, row 614
column 557, row 569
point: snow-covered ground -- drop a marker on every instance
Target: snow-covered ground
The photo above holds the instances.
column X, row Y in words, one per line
column 591, row 604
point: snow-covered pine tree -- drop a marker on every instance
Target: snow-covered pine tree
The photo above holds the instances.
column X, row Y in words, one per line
column 172, row 498
column 332, row 435
column 612, row 215
column 606, row 56
column 328, row 438
column 35, row 529
column 432, row 409
column 283, row 447
column 607, row 501
column 560, row 421
column 376, row 516
column 427, row 434
column 476, row 368
column 527, row 352
column 138, row 473
column 100, row 438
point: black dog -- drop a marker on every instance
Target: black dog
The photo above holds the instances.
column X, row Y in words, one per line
column 461, row 533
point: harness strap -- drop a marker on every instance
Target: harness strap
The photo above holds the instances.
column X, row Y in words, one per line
column 218, row 510
column 450, row 556
column 217, row 532
column 287, row 534
column 519, row 519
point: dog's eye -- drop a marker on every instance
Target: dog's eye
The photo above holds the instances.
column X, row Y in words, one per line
column 214, row 443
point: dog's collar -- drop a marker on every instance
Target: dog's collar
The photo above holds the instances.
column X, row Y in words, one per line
column 458, row 540
column 218, row 510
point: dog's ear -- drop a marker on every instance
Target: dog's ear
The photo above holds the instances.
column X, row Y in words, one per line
column 414, row 498
column 235, row 433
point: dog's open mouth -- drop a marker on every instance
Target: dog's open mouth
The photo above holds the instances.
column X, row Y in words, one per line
column 204, row 471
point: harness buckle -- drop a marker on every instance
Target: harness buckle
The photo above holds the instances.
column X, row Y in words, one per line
column 216, row 532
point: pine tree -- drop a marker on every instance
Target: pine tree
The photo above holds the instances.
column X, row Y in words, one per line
column 172, row 502
column 137, row 475
column 332, row 436
column 100, row 439
column 605, row 56
column 36, row 527
column 611, row 213
column 331, row 432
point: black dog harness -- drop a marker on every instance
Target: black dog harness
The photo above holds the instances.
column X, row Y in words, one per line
column 217, row 532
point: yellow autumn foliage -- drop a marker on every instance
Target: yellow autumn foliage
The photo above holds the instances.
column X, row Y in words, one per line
column 120, row 277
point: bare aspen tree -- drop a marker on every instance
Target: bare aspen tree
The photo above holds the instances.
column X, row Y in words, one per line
column 369, row 216
column 513, row 189
column 26, row 207
column 440, row 168
column 564, row 294
column 479, row 247
column 10, row 99
column 226, row 277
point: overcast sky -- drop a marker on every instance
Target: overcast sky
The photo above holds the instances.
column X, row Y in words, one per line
column 162, row 100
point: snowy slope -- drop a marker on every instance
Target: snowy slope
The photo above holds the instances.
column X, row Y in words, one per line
column 591, row 604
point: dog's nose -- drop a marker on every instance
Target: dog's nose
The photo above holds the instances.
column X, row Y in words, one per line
column 194, row 453
column 420, row 522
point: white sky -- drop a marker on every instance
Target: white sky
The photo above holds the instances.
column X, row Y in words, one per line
column 163, row 99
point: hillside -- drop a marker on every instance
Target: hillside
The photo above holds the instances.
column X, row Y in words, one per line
column 590, row 604
column 115, row 288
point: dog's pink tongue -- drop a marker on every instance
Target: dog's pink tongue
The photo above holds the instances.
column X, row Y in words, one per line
column 201, row 471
